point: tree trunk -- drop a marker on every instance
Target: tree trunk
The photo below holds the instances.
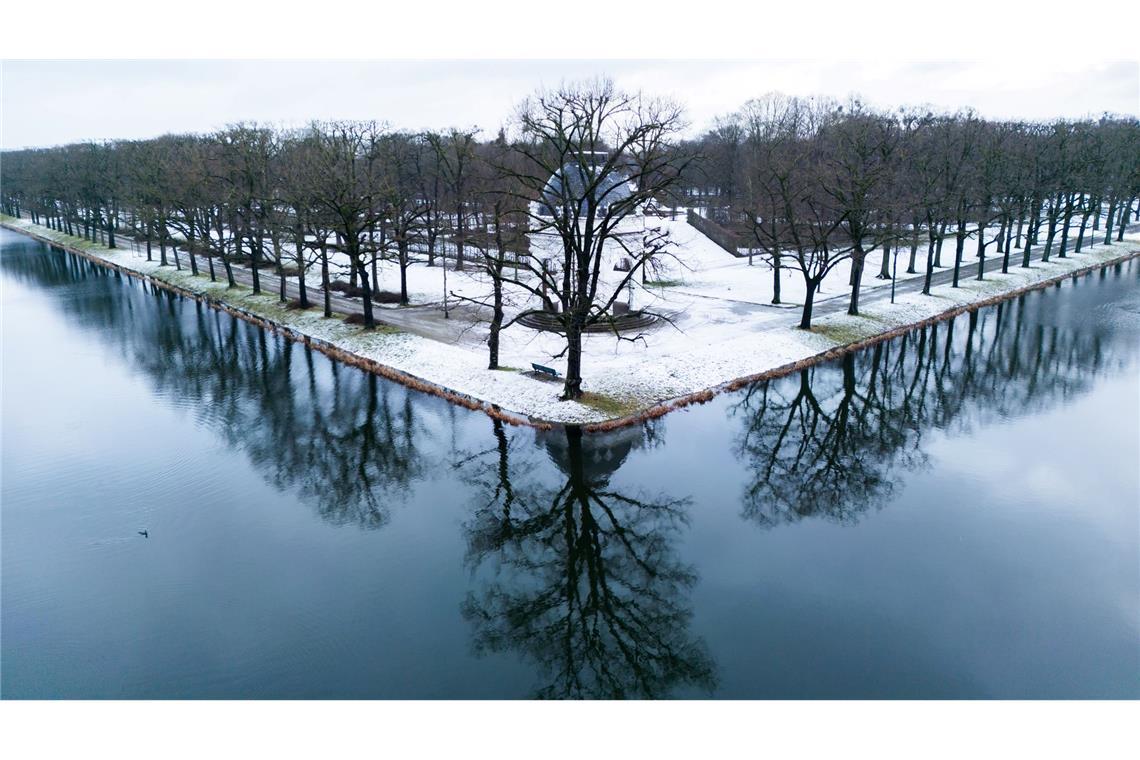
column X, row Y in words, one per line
column 809, row 301
column 459, row 244
column 1065, row 227
column 929, row 264
column 496, row 322
column 325, row 277
column 1030, row 233
column 402, row 246
column 1081, row 232
column 375, row 256
column 885, row 268
column 162, row 244
column 208, row 245
column 299, row 243
column 1125, row 217
column 238, row 244
column 572, row 388
column 281, row 279
column 190, row 247
column 775, row 277
column 857, row 260
column 366, row 294
column 352, row 279
column 913, row 251
column 226, row 263
column 228, row 266
column 1108, row 221
column 959, row 245
column 255, row 259
column 982, row 251
column 496, row 272
column 1054, row 212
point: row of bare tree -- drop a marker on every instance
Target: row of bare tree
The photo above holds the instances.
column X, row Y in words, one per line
column 357, row 192
column 265, row 198
column 813, row 182
column 810, row 183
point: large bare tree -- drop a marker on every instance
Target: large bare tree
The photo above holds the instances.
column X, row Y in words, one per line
column 591, row 158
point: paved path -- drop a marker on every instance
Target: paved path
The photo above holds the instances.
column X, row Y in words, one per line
column 968, row 270
column 428, row 320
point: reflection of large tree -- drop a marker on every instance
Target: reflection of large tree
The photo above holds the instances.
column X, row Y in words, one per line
column 824, row 441
column 582, row 580
column 345, row 440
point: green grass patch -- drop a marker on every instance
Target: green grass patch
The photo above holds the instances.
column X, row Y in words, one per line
column 608, row 405
column 508, row 369
column 841, row 334
column 663, row 283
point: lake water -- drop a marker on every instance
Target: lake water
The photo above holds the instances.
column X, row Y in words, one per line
column 955, row 513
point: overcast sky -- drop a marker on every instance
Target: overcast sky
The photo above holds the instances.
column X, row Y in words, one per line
column 54, row 102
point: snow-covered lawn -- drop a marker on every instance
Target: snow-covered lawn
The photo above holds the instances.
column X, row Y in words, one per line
column 718, row 337
column 706, row 269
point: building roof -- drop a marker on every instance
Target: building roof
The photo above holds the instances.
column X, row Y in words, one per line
column 568, row 185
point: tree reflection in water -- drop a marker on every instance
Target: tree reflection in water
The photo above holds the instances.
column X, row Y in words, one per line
column 344, row 440
column 827, row 441
column 583, row 580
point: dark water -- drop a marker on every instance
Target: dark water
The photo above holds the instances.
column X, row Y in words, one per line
column 952, row 514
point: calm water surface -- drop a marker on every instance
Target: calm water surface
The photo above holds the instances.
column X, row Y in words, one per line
column 955, row 513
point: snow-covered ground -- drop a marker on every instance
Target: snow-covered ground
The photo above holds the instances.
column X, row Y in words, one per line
column 723, row 329
column 708, row 270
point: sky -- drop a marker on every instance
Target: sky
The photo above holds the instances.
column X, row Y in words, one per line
column 55, row 102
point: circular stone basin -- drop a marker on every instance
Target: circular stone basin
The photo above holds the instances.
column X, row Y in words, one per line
column 548, row 322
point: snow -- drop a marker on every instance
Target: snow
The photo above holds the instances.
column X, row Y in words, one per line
column 723, row 329
column 709, row 270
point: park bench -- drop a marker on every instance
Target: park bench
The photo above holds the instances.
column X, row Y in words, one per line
column 544, row 370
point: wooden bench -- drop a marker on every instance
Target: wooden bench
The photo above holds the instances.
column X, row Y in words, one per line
column 544, row 370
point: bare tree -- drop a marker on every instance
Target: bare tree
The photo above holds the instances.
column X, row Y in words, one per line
column 856, row 173
column 502, row 239
column 347, row 189
column 791, row 219
column 405, row 209
column 455, row 155
column 578, row 146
